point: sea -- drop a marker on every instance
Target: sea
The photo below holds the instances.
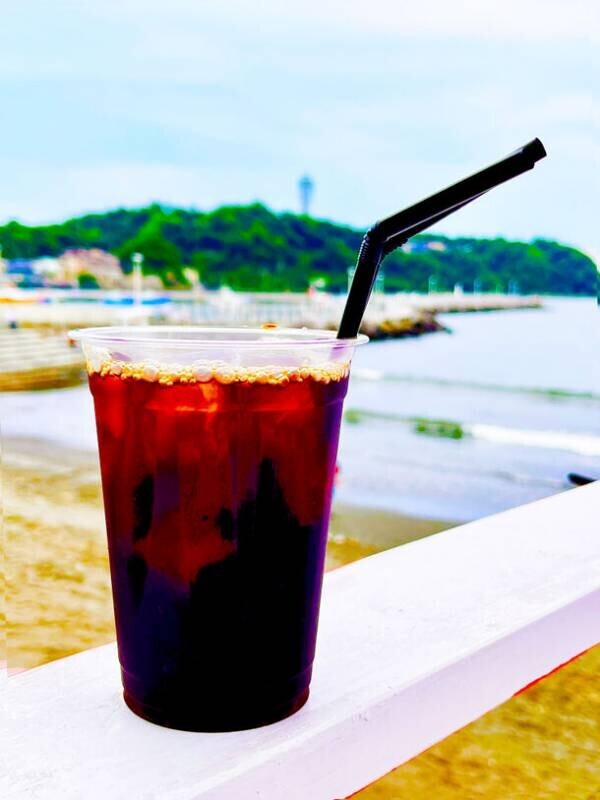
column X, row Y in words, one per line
column 518, row 393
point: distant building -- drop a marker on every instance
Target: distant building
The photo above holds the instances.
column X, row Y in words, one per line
column 47, row 267
column 21, row 272
column 415, row 247
column 30, row 271
column 152, row 282
column 105, row 267
column 20, row 267
column 423, row 247
column 440, row 247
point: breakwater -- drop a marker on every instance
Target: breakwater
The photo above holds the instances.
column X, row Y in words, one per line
column 400, row 313
column 31, row 359
column 35, row 351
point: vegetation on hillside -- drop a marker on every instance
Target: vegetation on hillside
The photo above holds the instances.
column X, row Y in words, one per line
column 253, row 248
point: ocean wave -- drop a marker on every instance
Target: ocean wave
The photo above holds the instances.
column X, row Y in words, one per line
column 586, row 444
column 365, row 374
column 582, row 443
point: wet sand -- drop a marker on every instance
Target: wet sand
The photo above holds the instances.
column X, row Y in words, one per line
column 57, row 586
column 541, row 745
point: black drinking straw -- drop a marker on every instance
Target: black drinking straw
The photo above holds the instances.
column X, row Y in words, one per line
column 392, row 232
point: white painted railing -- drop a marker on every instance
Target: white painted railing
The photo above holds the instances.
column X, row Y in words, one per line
column 414, row 643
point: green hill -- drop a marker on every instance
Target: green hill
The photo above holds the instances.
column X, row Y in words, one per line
column 253, row 248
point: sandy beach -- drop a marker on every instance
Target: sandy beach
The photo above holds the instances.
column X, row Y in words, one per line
column 541, row 744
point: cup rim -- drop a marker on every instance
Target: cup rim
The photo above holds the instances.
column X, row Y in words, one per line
column 195, row 336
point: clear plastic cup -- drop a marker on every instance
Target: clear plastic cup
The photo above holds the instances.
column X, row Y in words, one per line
column 218, row 451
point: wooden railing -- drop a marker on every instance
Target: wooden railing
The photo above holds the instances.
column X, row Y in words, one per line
column 414, row 643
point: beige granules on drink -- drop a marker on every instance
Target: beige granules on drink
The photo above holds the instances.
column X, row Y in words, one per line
column 202, row 371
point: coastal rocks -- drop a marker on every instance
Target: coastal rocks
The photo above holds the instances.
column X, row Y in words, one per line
column 414, row 323
column 394, row 328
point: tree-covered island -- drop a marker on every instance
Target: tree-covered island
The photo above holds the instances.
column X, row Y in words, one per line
column 253, row 248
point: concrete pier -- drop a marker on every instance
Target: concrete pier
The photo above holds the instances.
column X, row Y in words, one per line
column 35, row 353
column 31, row 359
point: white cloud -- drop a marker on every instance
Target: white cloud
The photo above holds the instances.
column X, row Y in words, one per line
column 50, row 194
column 487, row 19
column 198, row 103
column 571, row 109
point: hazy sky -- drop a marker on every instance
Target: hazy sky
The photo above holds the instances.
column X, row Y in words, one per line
column 108, row 103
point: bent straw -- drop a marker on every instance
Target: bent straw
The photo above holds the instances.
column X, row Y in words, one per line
column 392, row 232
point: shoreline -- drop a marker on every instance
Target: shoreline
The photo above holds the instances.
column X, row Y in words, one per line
column 357, row 531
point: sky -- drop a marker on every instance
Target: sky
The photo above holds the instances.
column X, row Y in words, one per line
column 119, row 103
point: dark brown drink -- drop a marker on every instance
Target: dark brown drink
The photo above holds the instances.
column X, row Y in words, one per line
column 217, row 488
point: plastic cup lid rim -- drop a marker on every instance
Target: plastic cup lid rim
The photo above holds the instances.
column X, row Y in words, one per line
column 192, row 336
